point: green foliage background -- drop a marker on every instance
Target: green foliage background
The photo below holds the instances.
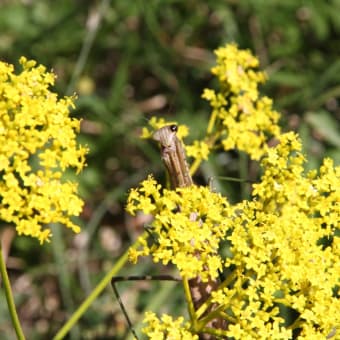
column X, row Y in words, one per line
column 128, row 61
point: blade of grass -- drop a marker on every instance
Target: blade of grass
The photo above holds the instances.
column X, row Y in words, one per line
column 95, row 293
column 93, row 24
column 63, row 274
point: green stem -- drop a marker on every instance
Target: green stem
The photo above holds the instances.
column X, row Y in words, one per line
column 195, row 165
column 197, row 162
column 95, row 293
column 92, row 29
column 191, row 308
column 9, row 298
column 212, row 121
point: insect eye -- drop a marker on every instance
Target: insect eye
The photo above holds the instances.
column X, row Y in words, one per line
column 173, row 128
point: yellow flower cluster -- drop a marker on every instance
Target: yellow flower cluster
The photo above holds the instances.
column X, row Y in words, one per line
column 198, row 150
column 167, row 328
column 197, row 227
column 37, row 144
column 283, row 243
column 286, row 250
column 242, row 118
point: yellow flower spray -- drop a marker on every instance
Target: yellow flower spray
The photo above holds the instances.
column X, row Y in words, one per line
column 37, row 145
column 283, row 242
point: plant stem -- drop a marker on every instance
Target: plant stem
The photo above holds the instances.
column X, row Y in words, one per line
column 195, row 165
column 95, row 293
column 9, row 298
column 243, row 161
column 191, row 308
column 212, row 121
column 93, row 23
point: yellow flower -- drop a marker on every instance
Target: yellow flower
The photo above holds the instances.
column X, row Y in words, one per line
column 37, row 145
column 145, row 198
column 198, row 226
column 245, row 120
column 199, row 150
column 167, row 328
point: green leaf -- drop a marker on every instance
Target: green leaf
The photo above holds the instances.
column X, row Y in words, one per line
column 326, row 125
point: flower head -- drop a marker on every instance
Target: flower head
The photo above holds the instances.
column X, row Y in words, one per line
column 187, row 222
column 247, row 119
column 37, row 145
column 167, row 328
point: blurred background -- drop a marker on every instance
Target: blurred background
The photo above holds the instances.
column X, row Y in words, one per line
column 128, row 61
